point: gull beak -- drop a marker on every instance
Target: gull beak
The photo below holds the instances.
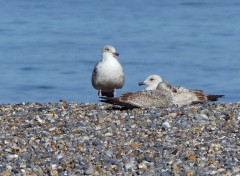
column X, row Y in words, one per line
column 174, row 90
column 116, row 54
column 141, row 83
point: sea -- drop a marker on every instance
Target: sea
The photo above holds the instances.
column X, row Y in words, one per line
column 48, row 49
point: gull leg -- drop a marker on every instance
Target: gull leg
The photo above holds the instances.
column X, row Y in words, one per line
column 114, row 94
column 99, row 93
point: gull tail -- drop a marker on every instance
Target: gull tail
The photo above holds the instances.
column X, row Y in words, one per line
column 116, row 101
column 214, row 97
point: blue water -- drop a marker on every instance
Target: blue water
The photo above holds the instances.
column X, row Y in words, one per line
column 48, row 48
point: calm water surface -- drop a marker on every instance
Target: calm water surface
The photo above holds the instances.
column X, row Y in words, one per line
column 49, row 48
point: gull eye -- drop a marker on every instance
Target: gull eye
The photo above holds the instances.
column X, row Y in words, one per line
column 169, row 86
column 151, row 79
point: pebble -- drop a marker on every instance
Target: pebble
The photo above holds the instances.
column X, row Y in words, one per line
column 89, row 170
column 166, row 125
column 100, row 139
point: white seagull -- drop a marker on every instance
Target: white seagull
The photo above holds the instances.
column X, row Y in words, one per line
column 161, row 97
column 108, row 73
column 151, row 82
column 181, row 95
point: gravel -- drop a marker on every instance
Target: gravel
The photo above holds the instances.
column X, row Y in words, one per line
column 100, row 139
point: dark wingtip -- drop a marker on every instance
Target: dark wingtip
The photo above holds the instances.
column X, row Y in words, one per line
column 214, row 97
column 109, row 100
column 116, row 101
column 108, row 93
column 103, row 99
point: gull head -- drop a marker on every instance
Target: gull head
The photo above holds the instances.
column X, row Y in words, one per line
column 151, row 82
column 108, row 49
column 164, row 86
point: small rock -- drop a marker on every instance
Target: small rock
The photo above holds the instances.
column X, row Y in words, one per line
column 166, row 125
column 89, row 170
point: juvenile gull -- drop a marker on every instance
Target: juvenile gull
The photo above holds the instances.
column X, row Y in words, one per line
column 161, row 97
column 153, row 80
column 192, row 97
column 181, row 95
column 108, row 73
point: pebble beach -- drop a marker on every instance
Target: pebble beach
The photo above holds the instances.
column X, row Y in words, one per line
column 100, row 139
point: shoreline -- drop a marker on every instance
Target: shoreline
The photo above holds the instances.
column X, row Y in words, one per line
column 93, row 139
